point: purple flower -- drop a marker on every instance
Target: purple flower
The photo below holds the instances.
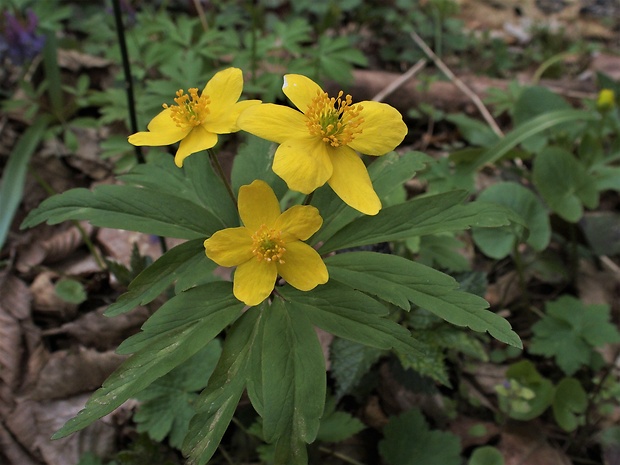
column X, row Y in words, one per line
column 19, row 40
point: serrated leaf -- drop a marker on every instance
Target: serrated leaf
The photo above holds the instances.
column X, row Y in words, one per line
column 179, row 329
column 293, row 382
column 130, row 208
column 166, row 408
column 570, row 331
column 352, row 315
column 337, row 426
column 432, row 214
column 500, row 242
column 157, row 277
column 350, row 361
column 409, row 441
column 388, row 173
column 569, row 403
column 394, row 278
column 218, row 402
column 564, row 183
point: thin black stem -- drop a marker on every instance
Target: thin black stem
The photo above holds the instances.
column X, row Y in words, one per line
column 120, row 30
column 221, row 174
column 308, row 198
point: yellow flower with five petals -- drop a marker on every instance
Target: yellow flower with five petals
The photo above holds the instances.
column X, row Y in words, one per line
column 319, row 144
column 197, row 119
column 267, row 245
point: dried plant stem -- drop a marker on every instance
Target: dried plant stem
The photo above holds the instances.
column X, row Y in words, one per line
column 415, row 69
column 201, row 14
column 458, row 83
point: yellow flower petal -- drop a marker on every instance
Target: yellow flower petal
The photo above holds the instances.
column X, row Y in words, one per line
column 276, row 123
column 303, row 267
column 230, row 247
column 382, row 130
column 226, row 122
column 254, row 280
column 197, row 140
column 300, row 90
column 303, row 163
column 351, row 182
column 224, row 89
column 258, row 205
column 162, row 131
column 299, row 222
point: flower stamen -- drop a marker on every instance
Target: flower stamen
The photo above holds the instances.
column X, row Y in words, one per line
column 190, row 109
column 335, row 120
column 267, row 244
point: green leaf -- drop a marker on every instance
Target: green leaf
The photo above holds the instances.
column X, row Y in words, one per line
column 14, row 176
column 569, row 404
column 564, row 183
column 525, row 373
column 474, row 131
column 528, row 129
column 418, row 217
column 441, row 250
column 337, row 426
column 131, row 208
column 179, row 329
column 498, row 243
column 293, row 382
column 210, row 189
column 71, row 291
column 409, row 441
column 399, row 280
column 350, row 361
column 486, row 455
column 352, row 315
column 532, row 102
column 570, row 331
column 388, row 173
column 253, row 161
column 166, row 407
column 217, row 403
column 156, row 278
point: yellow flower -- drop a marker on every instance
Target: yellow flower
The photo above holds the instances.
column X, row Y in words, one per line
column 606, row 100
column 269, row 244
column 319, row 144
column 197, row 119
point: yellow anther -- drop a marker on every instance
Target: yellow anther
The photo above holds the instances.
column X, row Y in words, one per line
column 190, row 109
column 335, row 120
column 267, row 244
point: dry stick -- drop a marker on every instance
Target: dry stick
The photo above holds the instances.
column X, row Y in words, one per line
column 458, row 83
column 400, row 81
column 201, row 14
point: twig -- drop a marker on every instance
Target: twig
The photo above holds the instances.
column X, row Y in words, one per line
column 340, row 455
column 458, row 83
column 201, row 14
column 400, row 81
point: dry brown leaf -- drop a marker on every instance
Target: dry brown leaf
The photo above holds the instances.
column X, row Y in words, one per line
column 524, row 444
column 33, row 424
column 47, row 301
column 12, row 451
column 67, row 373
column 118, row 244
column 96, row 330
column 11, row 349
column 462, row 427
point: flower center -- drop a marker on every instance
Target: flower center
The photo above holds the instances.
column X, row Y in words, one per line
column 267, row 244
column 335, row 120
column 190, row 109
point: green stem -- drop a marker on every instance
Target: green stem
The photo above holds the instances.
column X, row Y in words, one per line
column 518, row 260
column 221, row 174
